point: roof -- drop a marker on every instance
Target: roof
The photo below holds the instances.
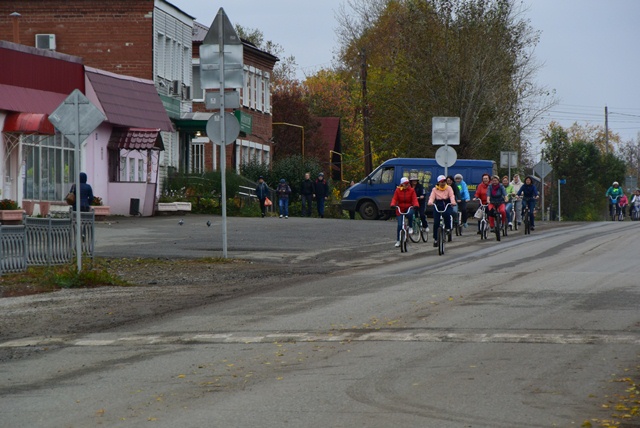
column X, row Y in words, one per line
column 330, row 132
column 200, row 32
column 129, row 101
column 15, row 98
column 136, row 139
column 28, row 123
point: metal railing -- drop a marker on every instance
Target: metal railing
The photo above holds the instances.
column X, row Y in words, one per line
column 44, row 241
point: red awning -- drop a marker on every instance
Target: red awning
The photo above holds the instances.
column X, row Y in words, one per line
column 136, row 139
column 28, row 123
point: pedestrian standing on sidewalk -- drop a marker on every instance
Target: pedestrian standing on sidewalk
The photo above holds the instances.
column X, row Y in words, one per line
column 321, row 193
column 306, row 191
column 283, row 191
column 262, row 192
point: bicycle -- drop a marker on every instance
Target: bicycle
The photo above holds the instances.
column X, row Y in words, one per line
column 497, row 223
column 419, row 232
column 526, row 216
column 617, row 212
column 635, row 212
column 442, row 230
column 484, row 221
column 404, row 232
column 514, row 222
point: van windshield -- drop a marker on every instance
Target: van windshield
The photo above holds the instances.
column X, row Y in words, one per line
column 382, row 175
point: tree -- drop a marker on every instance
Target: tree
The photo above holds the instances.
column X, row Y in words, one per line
column 470, row 59
column 577, row 156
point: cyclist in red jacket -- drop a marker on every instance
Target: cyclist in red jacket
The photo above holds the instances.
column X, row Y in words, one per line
column 404, row 198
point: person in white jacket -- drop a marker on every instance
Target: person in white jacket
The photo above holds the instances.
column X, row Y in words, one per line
column 517, row 184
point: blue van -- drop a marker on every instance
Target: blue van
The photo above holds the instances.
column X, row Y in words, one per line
column 371, row 197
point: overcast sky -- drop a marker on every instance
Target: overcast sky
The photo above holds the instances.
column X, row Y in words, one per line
column 588, row 49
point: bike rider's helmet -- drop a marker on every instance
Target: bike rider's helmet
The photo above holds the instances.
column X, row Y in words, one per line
column 615, row 183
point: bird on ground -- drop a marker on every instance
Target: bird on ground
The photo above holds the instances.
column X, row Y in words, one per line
column 181, row 222
column 208, row 223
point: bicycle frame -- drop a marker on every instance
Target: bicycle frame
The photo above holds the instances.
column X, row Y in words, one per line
column 404, row 232
column 442, row 233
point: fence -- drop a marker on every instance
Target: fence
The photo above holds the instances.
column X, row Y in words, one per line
column 44, row 241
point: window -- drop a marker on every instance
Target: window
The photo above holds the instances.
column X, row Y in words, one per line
column 49, row 167
column 249, row 151
column 382, row 175
column 197, row 154
column 197, row 93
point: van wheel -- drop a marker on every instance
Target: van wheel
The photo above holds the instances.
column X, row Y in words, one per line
column 368, row 211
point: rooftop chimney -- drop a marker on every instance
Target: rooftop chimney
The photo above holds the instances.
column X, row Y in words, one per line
column 15, row 18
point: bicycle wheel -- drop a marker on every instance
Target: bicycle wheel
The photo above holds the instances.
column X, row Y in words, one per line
column 415, row 236
column 515, row 220
column 527, row 224
column 505, row 229
column 403, row 241
column 424, row 234
column 498, row 226
column 441, row 239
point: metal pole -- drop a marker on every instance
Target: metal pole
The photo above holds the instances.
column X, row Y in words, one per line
column 559, row 209
column 223, row 145
column 542, row 181
column 76, row 163
column 606, row 129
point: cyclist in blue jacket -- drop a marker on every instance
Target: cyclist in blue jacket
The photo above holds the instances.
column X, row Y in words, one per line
column 529, row 192
column 464, row 197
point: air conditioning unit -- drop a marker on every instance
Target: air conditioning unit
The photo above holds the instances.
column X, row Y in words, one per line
column 175, row 87
column 186, row 93
column 46, row 41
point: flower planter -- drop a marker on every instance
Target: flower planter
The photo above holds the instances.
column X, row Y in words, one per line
column 100, row 211
column 11, row 216
column 183, row 206
column 167, row 206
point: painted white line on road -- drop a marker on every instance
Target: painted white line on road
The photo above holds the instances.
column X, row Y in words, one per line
column 401, row 335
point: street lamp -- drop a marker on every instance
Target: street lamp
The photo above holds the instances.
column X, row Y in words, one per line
column 295, row 126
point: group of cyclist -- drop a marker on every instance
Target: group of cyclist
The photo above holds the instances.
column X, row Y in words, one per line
column 618, row 202
column 452, row 194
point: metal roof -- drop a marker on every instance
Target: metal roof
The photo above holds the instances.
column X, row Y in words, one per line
column 136, row 139
column 129, row 101
column 15, row 98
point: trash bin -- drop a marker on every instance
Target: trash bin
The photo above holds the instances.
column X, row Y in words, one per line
column 134, row 206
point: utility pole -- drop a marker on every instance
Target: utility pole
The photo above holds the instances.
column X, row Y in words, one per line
column 606, row 129
column 368, row 158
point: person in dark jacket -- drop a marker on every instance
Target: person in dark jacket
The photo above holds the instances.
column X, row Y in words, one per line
column 262, row 192
column 86, row 193
column 283, row 191
column 306, row 191
column 529, row 194
column 321, row 193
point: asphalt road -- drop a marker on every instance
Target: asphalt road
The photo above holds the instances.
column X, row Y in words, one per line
column 537, row 331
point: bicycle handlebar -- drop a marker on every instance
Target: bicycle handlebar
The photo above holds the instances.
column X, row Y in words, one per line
column 408, row 210
column 435, row 207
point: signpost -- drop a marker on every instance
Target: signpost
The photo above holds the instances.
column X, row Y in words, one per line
column 221, row 67
column 445, row 132
column 76, row 118
column 508, row 160
column 543, row 169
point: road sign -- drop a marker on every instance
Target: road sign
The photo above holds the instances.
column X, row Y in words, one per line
column 231, row 128
column 508, row 159
column 210, row 60
column 445, row 131
column 76, row 117
column 446, row 156
column 231, row 100
column 542, row 169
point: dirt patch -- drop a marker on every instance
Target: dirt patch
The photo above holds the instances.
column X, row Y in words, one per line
column 155, row 287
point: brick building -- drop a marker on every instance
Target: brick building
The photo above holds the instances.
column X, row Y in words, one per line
column 154, row 40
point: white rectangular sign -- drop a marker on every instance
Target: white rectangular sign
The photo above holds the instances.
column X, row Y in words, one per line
column 445, row 131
